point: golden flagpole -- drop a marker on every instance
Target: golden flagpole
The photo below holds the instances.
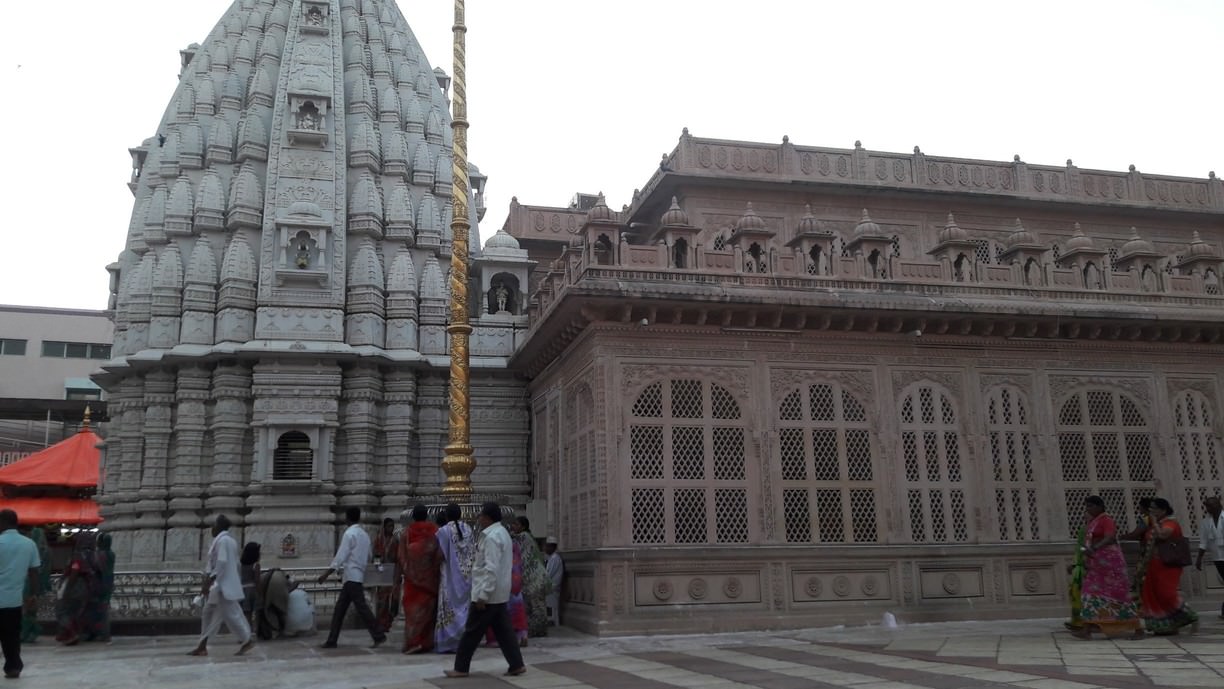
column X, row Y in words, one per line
column 458, row 463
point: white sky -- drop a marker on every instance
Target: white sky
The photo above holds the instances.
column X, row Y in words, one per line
column 580, row 95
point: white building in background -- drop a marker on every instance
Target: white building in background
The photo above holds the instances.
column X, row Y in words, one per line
column 46, row 356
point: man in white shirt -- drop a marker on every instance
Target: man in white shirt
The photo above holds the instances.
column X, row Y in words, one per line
column 1211, row 538
column 556, row 573
column 223, row 592
column 19, row 564
column 490, row 591
column 350, row 561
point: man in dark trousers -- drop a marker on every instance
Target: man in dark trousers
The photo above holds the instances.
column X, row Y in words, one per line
column 490, row 592
column 350, row 561
column 18, row 563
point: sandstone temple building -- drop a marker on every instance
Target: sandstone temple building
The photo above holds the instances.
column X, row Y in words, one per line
column 787, row 385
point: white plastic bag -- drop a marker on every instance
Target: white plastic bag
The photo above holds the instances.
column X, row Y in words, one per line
column 300, row 618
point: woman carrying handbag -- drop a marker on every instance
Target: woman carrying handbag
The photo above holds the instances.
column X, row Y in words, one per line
column 1163, row 609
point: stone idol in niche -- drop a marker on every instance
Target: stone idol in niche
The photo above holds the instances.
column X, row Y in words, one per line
column 289, row 546
column 309, row 119
column 314, row 17
column 304, row 247
column 501, row 294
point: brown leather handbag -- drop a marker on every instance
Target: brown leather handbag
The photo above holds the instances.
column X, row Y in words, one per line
column 1174, row 552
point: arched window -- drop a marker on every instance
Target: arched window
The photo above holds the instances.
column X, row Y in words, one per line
column 687, row 469
column 1147, row 278
column 1104, row 447
column 873, row 265
column 1198, row 449
column 1032, row 273
column 293, row 459
column 814, row 258
column 1092, row 276
column 960, row 269
column 580, row 469
column 931, row 446
column 680, row 254
column 1012, row 453
column 755, row 261
column 1211, row 282
column 828, row 472
column 603, row 250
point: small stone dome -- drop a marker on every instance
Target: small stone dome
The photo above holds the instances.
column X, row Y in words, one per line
column 808, row 223
column 1080, row 240
column 674, row 215
column 952, row 232
column 866, row 227
column 1200, row 248
column 1020, row 236
column 600, row 211
column 501, row 240
column 1136, row 245
column 749, row 220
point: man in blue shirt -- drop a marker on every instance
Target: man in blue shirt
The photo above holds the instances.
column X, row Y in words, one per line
column 18, row 562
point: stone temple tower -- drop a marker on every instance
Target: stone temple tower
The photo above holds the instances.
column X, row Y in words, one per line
column 280, row 305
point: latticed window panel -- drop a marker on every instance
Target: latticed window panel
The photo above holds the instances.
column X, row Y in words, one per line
column 794, row 455
column 688, row 453
column 796, row 515
column 649, row 404
column 691, row 515
column 686, row 402
column 863, row 515
column 1199, row 454
column 645, row 452
column 686, row 441
column 583, row 466
column 931, row 453
column 1105, row 448
column 729, row 462
column 648, row 515
column 830, row 523
column 731, row 515
column 827, row 466
column 1017, row 508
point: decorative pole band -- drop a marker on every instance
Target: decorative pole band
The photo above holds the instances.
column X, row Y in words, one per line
column 458, row 463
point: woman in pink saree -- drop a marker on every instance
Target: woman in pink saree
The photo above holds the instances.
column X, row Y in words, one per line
column 1106, row 604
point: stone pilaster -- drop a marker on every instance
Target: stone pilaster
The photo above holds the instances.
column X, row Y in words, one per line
column 148, row 546
column 431, row 432
column 398, row 425
column 230, row 428
column 187, row 464
column 361, row 394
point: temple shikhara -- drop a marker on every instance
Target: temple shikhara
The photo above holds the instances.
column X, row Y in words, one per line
column 787, row 385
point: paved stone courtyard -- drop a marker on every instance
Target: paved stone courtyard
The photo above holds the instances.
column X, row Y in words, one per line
column 1034, row 654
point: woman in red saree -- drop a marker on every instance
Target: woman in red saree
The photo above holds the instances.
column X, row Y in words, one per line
column 1164, row 610
column 1105, row 602
column 420, row 560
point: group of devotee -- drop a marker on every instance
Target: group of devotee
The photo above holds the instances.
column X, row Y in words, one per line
column 82, row 600
column 457, row 587
column 1106, row 598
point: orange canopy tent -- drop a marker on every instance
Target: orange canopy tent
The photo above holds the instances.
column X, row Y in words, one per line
column 54, row 485
column 34, row 511
column 72, row 463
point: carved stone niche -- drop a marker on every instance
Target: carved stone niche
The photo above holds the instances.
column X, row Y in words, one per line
column 304, row 246
column 314, row 17
column 309, row 113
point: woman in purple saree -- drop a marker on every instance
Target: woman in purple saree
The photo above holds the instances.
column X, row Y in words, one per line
column 457, row 544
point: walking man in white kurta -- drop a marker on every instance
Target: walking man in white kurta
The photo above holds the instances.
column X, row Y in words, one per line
column 222, row 592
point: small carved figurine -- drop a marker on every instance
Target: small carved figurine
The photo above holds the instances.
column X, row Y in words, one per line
column 314, row 17
column 501, row 294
